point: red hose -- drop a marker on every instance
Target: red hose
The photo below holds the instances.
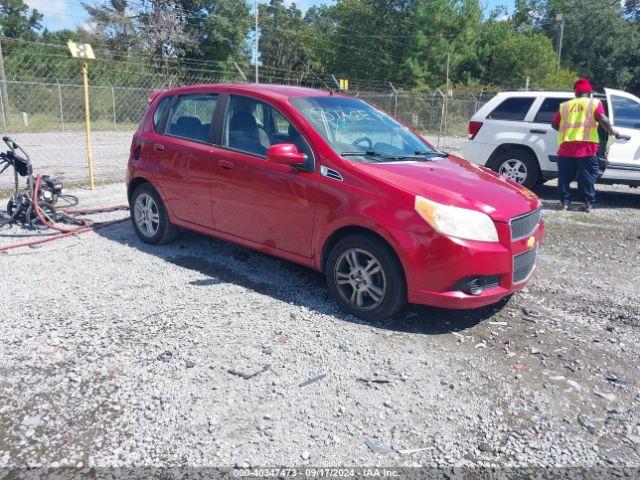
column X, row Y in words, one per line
column 66, row 232
column 61, row 235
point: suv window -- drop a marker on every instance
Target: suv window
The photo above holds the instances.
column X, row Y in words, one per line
column 514, row 108
column 626, row 112
column 158, row 115
column 548, row 109
column 191, row 116
column 253, row 126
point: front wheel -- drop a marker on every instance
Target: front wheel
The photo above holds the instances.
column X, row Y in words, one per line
column 365, row 278
column 517, row 166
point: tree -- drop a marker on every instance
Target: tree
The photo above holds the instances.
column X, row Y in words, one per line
column 284, row 49
column 601, row 39
column 113, row 25
column 18, row 21
column 444, row 28
column 507, row 57
column 175, row 31
column 162, row 26
column 220, row 29
column 361, row 39
column 155, row 27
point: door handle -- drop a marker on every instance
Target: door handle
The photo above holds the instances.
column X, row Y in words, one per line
column 225, row 165
column 538, row 130
column 158, row 147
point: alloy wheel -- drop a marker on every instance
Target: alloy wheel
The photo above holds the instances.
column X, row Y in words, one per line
column 514, row 170
column 146, row 215
column 360, row 279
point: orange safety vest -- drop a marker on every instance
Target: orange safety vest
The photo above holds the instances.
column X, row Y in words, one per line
column 578, row 122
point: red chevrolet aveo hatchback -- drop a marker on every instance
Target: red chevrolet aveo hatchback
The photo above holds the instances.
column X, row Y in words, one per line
column 333, row 183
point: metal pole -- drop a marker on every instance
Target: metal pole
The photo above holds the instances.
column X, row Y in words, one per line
column 4, row 120
column 255, row 43
column 446, row 100
column 475, row 105
column 561, row 38
column 244, row 77
column 395, row 97
column 443, row 114
column 3, row 87
column 87, row 119
column 113, row 103
column 61, row 109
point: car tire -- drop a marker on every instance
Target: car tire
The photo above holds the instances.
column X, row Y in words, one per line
column 365, row 278
column 519, row 166
column 149, row 216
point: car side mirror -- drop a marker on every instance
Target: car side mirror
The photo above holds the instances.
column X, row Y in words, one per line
column 285, row 154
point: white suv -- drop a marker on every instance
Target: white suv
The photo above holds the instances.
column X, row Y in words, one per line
column 512, row 135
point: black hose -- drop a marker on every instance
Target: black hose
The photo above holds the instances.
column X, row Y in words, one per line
column 71, row 200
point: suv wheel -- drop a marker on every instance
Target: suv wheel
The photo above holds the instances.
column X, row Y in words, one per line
column 517, row 166
column 365, row 278
column 149, row 216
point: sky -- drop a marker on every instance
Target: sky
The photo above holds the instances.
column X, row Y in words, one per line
column 59, row 14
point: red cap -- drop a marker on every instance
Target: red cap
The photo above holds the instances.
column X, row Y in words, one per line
column 582, row 85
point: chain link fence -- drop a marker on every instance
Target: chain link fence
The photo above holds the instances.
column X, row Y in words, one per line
column 46, row 113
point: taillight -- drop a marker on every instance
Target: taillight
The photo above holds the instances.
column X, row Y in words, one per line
column 474, row 128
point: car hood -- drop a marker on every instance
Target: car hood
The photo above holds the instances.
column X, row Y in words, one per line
column 454, row 181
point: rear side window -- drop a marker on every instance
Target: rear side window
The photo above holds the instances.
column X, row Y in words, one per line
column 514, row 108
column 158, row 115
column 548, row 109
column 191, row 116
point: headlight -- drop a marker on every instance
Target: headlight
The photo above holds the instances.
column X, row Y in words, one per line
column 457, row 222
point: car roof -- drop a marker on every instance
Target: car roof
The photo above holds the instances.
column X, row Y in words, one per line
column 546, row 93
column 273, row 91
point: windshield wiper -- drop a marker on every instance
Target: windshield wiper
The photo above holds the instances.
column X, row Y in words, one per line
column 369, row 153
column 431, row 153
column 382, row 156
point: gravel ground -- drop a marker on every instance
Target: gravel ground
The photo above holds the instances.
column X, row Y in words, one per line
column 202, row 353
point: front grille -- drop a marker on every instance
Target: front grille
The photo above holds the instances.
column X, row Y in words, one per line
column 525, row 225
column 523, row 265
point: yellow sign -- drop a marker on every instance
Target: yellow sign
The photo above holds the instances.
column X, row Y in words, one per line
column 344, row 84
column 531, row 242
column 84, row 52
column 81, row 50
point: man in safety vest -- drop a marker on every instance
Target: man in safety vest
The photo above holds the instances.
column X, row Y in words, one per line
column 577, row 124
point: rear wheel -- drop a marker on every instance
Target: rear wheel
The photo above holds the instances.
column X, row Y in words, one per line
column 518, row 166
column 365, row 278
column 149, row 216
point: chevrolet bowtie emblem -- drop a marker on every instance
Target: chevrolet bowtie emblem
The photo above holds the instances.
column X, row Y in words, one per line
column 531, row 242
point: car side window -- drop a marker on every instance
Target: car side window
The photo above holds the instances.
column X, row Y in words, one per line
column 626, row 112
column 191, row 116
column 158, row 115
column 252, row 126
column 280, row 122
column 514, row 109
column 548, row 109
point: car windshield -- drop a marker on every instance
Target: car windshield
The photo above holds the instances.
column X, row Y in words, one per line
column 357, row 130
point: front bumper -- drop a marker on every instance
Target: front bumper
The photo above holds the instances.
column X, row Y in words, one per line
column 436, row 265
